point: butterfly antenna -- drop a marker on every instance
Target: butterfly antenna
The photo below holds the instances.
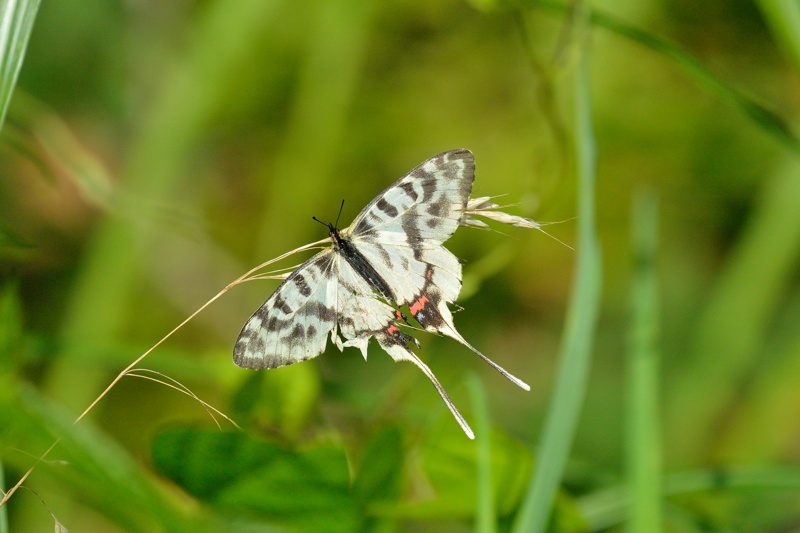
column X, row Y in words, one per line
column 331, row 227
column 341, row 207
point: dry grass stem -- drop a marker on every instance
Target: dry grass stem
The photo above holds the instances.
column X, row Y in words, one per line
column 247, row 276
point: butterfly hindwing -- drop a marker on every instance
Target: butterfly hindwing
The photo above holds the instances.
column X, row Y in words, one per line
column 361, row 314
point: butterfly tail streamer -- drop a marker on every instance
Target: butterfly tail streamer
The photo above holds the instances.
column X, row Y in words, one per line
column 428, row 372
column 459, row 418
column 396, row 345
column 453, row 334
column 431, row 311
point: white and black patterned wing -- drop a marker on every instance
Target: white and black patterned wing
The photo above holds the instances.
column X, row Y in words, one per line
column 364, row 316
column 424, row 205
column 326, row 295
column 401, row 235
column 399, row 229
column 293, row 324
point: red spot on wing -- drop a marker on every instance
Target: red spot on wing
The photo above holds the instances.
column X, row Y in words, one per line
column 417, row 306
column 392, row 329
column 429, row 274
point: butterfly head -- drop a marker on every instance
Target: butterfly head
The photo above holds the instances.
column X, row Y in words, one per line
column 333, row 229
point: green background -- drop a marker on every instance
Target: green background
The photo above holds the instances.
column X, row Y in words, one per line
column 155, row 151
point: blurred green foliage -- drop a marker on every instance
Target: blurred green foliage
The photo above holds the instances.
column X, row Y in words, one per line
column 154, row 151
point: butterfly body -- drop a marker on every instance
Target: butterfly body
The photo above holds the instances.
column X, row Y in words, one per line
column 363, row 267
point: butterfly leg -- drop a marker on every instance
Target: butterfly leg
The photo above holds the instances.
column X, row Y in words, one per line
column 399, row 315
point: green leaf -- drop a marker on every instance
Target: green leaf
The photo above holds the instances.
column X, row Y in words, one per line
column 449, row 463
column 380, row 473
column 241, row 476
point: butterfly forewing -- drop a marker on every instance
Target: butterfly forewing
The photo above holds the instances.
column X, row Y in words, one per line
column 294, row 322
column 425, row 205
column 401, row 231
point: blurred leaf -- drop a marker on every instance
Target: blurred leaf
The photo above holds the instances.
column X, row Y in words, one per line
column 379, row 475
column 285, row 399
column 567, row 516
column 337, row 39
column 784, row 19
column 10, row 322
column 762, row 116
column 738, row 315
column 764, row 425
column 489, row 6
column 241, row 476
column 93, row 466
column 449, row 464
column 56, row 150
column 9, row 241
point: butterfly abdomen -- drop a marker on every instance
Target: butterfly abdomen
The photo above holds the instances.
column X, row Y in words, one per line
column 360, row 264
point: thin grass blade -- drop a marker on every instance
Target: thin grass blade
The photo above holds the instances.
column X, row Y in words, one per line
column 576, row 348
column 486, row 514
column 643, row 448
column 16, row 24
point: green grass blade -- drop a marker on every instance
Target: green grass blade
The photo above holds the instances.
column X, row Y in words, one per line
column 16, row 24
column 609, row 507
column 642, row 425
column 738, row 315
column 155, row 168
column 486, row 514
column 783, row 19
column 576, row 348
column 4, row 508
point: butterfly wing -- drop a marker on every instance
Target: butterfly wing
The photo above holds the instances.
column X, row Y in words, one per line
column 363, row 316
column 294, row 322
column 325, row 294
column 401, row 234
column 404, row 227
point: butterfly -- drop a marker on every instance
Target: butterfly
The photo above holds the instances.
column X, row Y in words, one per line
column 389, row 259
